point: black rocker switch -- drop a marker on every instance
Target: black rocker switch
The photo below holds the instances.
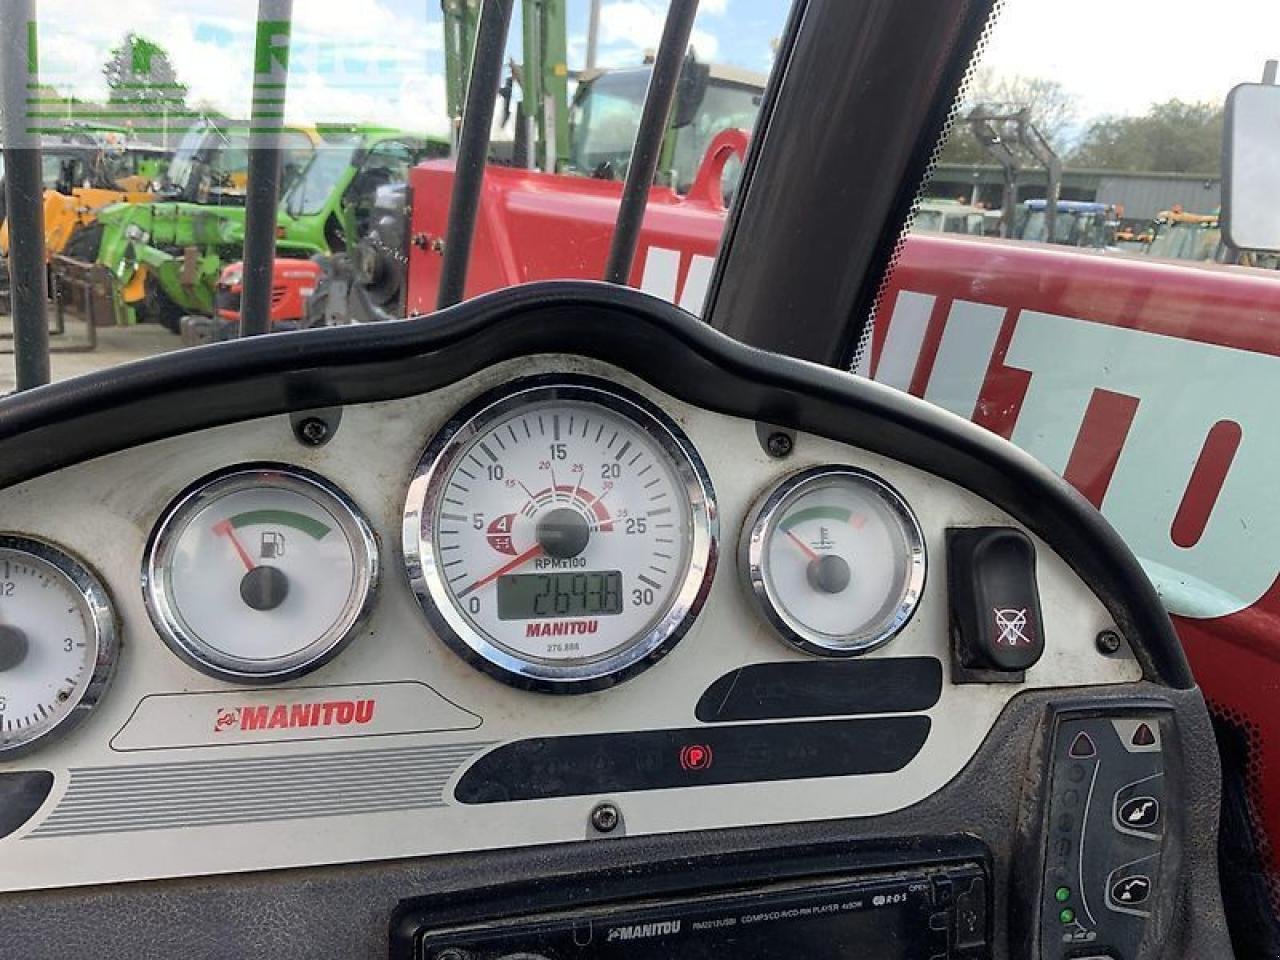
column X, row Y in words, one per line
column 996, row 629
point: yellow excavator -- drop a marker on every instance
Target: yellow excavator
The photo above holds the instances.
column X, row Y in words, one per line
column 86, row 171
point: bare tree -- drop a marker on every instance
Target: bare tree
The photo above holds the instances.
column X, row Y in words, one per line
column 1053, row 111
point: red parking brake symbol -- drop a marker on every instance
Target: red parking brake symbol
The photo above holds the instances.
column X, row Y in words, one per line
column 695, row 756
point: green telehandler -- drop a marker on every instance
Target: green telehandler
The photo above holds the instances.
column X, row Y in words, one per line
column 167, row 259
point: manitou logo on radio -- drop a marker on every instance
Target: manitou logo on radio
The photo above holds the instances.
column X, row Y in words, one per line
column 642, row 931
column 330, row 713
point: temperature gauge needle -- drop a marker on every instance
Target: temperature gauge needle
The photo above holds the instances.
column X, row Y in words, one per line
column 224, row 529
column 507, row 567
column 804, row 547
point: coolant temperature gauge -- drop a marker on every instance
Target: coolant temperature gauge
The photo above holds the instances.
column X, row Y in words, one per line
column 835, row 559
column 261, row 573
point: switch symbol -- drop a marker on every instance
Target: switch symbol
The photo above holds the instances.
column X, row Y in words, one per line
column 1143, row 737
column 1011, row 626
column 1140, row 812
column 1131, row 890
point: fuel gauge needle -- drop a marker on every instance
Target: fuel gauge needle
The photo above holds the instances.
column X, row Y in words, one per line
column 224, row 529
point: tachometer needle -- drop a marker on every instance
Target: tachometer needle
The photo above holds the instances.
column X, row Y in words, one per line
column 808, row 552
column 224, row 529
column 507, row 567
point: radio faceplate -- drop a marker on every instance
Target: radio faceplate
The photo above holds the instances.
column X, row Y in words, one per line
column 808, row 904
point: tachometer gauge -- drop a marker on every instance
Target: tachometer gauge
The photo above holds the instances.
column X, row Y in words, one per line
column 57, row 643
column 835, row 559
column 561, row 535
column 260, row 573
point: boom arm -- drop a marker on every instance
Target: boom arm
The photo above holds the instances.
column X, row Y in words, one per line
column 999, row 134
column 543, row 76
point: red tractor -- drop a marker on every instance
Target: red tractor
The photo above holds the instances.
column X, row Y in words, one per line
column 293, row 282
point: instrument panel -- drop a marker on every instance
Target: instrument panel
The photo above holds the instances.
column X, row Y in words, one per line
column 355, row 651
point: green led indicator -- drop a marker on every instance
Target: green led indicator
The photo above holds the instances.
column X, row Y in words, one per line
column 1062, row 894
column 1067, row 915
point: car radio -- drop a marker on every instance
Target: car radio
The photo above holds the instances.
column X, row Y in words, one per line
column 892, row 911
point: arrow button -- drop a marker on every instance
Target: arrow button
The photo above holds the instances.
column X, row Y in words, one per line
column 1082, row 747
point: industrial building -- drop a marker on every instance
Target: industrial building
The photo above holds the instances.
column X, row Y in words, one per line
column 1141, row 194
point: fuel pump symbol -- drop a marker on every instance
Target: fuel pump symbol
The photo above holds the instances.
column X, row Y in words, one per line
column 272, row 545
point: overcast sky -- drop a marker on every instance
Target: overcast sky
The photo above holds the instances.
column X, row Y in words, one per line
column 382, row 60
column 1120, row 56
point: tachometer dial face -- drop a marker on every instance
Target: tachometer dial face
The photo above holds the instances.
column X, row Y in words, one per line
column 57, row 642
column 260, row 573
column 561, row 535
column 835, row 559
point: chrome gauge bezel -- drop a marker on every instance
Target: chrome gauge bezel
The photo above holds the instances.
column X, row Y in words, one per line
column 760, row 526
column 102, row 624
column 158, row 594
column 423, row 566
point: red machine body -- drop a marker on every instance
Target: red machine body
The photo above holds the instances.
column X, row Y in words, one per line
column 538, row 226
column 292, row 281
column 1151, row 386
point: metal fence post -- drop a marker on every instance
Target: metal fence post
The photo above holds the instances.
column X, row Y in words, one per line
column 270, row 82
column 663, row 83
column 473, row 148
column 24, row 193
column 593, row 34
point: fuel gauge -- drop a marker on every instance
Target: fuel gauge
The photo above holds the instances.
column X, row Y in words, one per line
column 835, row 559
column 260, row 573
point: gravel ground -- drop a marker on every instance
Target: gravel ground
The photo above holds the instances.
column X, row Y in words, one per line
column 116, row 345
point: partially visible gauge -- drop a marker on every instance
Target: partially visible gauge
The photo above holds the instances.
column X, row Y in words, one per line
column 58, row 643
column 561, row 534
column 836, row 560
column 260, row 573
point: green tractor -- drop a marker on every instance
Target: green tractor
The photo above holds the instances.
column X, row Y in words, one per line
column 167, row 260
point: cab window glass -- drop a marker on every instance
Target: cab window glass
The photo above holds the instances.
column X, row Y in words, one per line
column 162, row 105
column 1105, row 324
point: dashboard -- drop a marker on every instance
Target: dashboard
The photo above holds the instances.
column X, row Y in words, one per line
column 561, row 584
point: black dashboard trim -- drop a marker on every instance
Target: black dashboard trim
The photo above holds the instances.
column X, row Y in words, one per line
column 55, row 426
column 582, row 765
column 22, row 793
column 796, row 689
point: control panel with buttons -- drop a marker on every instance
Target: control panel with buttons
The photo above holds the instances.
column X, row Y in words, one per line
column 1105, row 833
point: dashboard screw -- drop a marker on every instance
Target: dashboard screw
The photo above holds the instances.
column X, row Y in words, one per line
column 779, row 445
column 605, row 817
column 313, row 431
column 1107, row 642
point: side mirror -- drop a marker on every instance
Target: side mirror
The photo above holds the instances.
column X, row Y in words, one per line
column 1251, row 168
